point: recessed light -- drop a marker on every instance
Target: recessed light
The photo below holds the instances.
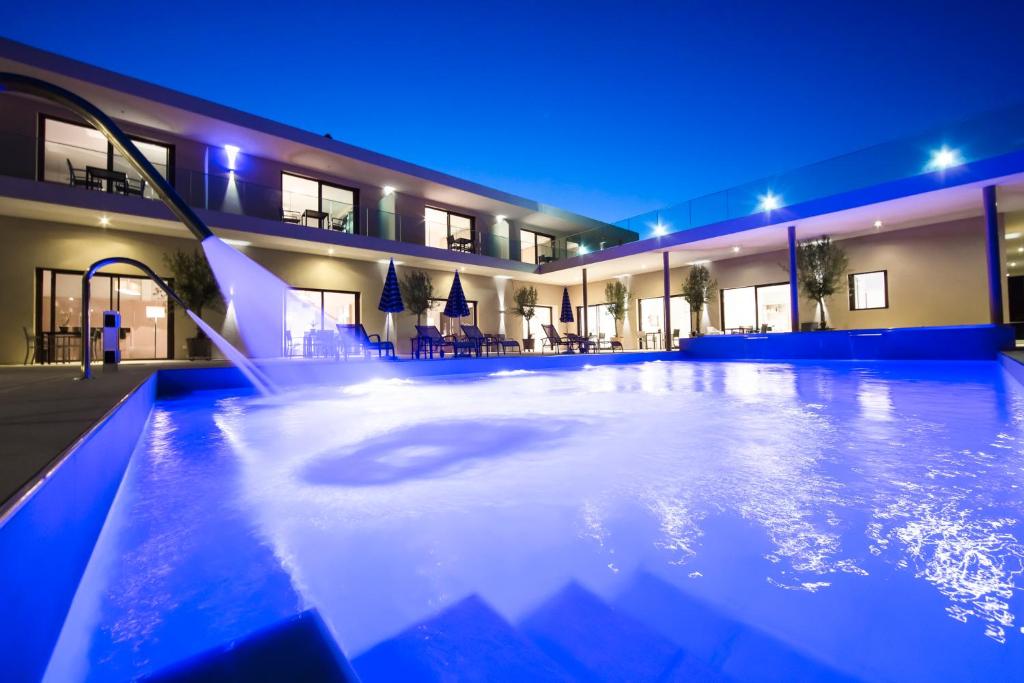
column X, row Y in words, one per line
column 499, row 218
column 735, row 250
column 104, row 221
column 388, row 190
column 944, row 158
column 769, row 201
column 878, row 224
column 660, row 229
column 387, row 260
column 330, row 252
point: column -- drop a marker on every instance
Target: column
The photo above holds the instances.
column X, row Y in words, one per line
column 794, row 288
column 667, row 301
column 585, row 327
column 995, row 269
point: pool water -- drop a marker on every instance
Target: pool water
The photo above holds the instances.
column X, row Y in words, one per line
column 657, row 521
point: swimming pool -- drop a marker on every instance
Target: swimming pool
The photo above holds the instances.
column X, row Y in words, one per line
column 764, row 521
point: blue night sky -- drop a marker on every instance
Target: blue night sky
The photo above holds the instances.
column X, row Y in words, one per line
column 607, row 109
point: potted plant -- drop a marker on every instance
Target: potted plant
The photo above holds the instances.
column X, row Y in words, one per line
column 616, row 297
column 417, row 291
column 698, row 290
column 195, row 284
column 525, row 306
column 821, row 268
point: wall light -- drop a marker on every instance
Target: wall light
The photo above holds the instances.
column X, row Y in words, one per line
column 1013, row 264
column 104, row 221
column 388, row 190
column 236, row 243
column 232, row 152
column 769, row 201
column 1012, row 235
column 583, row 251
column 499, row 218
column 944, row 158
column 386, row 261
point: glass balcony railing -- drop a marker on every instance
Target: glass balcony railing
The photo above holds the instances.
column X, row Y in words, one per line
column 225, row 192
column 941, row 150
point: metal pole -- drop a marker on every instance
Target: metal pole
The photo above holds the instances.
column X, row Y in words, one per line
column 86, row 294
column 794, row 291
column 995, row 268
column 668, row 300
column 585, row 326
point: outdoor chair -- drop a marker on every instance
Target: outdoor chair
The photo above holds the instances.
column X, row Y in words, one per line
column 430, row 337
column 582, row 343
column 134, row 188
column 354, row 338
column 554, row 341
column 507, row 344
column 484, row 342
column 77, row 177
column 613, row 344
column 288, row 216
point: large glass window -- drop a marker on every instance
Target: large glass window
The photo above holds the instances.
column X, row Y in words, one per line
column 599, row 321
column 751, row 309
column 541, row 316
column 146, row 325
column 447, row 230
column 80, row 155
column 652, row 315
column 869, row 290
column 309, row 310
column 535, row 247
column 435, row 316
column 318, row 204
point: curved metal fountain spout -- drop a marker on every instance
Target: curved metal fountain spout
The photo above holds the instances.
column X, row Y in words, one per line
column 87, row 292
column 121, row 142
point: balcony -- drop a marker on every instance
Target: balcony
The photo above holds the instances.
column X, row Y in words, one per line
column 89, row 169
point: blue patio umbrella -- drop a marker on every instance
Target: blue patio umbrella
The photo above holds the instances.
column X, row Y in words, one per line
column 566, row 315
column 390, row 297
column 456, row 306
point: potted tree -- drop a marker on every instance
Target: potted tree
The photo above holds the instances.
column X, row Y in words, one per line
column 616, row 297
column 698, row 290
column 195, row 284
column 821, row 268
column 525, row 306
column 417, row 291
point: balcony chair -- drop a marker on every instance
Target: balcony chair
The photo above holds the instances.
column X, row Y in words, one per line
column 77, row 177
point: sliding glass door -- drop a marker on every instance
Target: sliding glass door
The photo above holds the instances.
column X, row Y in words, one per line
column 759, row 308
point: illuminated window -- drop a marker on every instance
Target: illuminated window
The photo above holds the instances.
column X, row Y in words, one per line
column 762, row 308
column 448, row 230
column 869, row 290
column 535, row 247
column 319, row 204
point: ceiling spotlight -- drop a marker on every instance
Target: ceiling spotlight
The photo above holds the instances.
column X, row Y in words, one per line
column 388, row 190
column 660, row 229
column 104, row 221
column 330, row 252
column 769, row 201
column 878, row 225
column 944, row 158
column 735, row 250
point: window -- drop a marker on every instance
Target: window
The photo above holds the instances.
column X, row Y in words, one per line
column 535, row 247
column 447, row 230
column 541, row 316
column 762, row 307
column 146, row 316
column 869, row 290
column 652, row 313
column 70, row 150
column 319, row 204
column 435, row 316
column 599, row 321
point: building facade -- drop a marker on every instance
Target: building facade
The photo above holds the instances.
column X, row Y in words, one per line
column 327, row 217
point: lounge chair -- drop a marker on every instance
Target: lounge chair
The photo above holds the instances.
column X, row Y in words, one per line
column 429, row 338
column 507, row 344
column 554, row 341
column 354, row 338
column 482, row 341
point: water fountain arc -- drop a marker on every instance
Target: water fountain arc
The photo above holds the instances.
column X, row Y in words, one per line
column 86, row 354
column 117, row 137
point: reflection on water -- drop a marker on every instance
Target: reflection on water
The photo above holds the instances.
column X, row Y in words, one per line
column 849, row 512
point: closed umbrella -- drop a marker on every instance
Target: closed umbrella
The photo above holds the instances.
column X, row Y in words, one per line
column 566, row 315
column 456, row 306
column 390, row 298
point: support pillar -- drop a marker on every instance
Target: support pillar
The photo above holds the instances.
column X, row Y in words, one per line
column 585, row 332
column 995, row 269
column 794, row 287
column 667, row 301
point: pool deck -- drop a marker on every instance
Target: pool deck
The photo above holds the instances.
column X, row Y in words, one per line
column 44, row 409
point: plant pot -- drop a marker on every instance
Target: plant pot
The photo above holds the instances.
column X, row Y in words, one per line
column 199, row 348
column 63, row 328
column 528, row 344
